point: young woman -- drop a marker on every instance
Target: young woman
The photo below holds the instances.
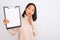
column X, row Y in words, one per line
column 27, row 30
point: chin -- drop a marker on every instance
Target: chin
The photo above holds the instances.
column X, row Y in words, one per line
column 29, row 15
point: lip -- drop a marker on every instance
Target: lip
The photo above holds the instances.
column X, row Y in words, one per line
column 29, row 13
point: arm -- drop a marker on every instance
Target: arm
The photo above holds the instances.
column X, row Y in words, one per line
column 34, row 25
column 13, row 31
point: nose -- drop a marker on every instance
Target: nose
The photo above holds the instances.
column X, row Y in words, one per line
column 30, row 12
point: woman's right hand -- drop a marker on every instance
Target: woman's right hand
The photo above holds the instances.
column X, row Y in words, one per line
column 11, row 31
column 5, row 21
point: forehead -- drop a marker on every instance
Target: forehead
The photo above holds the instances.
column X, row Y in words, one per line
column 31, row 6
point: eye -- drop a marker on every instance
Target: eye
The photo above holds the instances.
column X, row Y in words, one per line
column 32, row 10
column 29, row 8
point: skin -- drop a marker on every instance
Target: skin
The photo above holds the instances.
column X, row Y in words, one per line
column 29, row 12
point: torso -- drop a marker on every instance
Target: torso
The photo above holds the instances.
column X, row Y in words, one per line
column 25, row 31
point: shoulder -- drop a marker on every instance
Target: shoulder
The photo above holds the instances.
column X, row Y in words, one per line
column 22, row 18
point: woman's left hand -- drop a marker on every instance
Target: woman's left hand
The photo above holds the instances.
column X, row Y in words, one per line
column 30, row 20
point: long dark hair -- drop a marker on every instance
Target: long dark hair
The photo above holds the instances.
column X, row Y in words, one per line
column 34, row 16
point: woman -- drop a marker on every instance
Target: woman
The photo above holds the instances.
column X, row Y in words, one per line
column 27, row 30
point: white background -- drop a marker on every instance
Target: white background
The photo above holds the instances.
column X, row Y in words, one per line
column 48, row 20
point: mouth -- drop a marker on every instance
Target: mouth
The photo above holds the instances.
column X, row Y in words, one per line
column 29, row 13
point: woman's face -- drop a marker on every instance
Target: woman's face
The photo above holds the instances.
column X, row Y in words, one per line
column 30, row 10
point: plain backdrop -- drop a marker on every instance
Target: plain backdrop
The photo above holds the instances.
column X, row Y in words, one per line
column 48, row 18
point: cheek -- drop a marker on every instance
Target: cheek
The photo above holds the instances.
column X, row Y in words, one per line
column 32, row 13
column 29, row 12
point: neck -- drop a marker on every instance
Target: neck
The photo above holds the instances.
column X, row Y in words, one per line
column 27, row 16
